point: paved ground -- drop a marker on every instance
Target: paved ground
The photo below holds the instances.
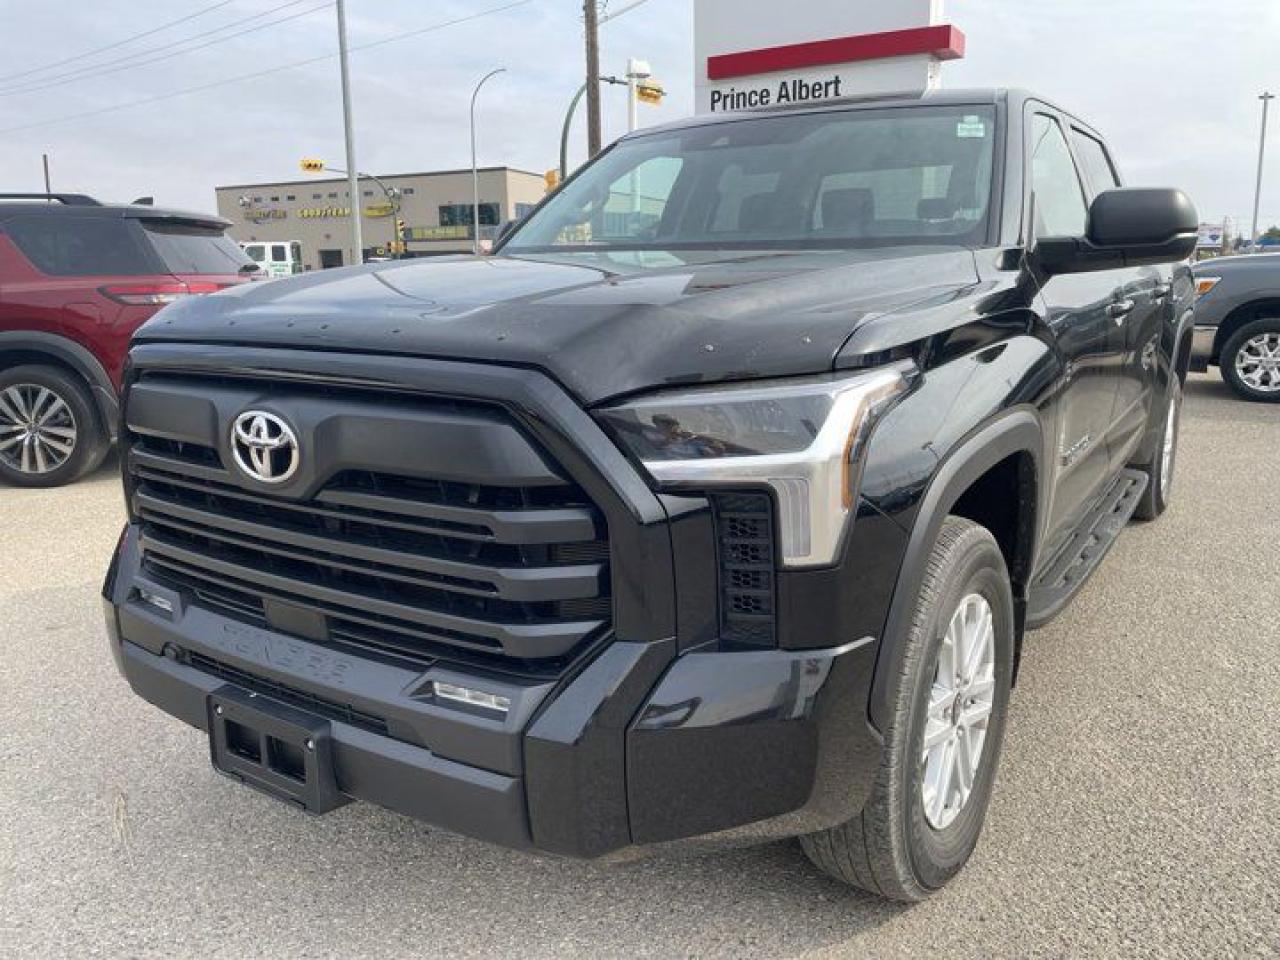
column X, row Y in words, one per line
column 1136, row 811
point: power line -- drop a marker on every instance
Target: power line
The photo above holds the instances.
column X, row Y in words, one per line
column 129, row 62
column 394, row 38
column 118, row 43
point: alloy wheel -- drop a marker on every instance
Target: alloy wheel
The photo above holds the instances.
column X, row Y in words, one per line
column 37, row 429
column 1258, row 363
column 960, row 704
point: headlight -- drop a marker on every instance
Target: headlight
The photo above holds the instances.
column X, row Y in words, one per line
column 802, row 438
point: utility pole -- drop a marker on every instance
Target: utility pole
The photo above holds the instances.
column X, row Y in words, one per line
column 1266, row 99
column 591, row 17
column 48, row 190
column 353, row 178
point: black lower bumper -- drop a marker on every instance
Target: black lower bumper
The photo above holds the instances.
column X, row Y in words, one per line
column 644, row 746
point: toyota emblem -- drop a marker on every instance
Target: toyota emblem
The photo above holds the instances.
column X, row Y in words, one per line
column 264, row 446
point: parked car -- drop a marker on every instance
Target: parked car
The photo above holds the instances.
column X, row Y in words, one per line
column 77, row 277
column 718, row 501
column 1238, row 323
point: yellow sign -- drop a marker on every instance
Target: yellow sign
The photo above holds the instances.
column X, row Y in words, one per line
column 258, row 216
column 323, row 213
column 379, row 210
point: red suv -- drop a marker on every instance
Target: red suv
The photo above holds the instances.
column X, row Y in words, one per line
column 77, row 277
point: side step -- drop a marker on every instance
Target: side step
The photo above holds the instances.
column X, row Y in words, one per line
column 1053, row 589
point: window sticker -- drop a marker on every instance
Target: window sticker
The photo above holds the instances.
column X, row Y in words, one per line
column 971, row 127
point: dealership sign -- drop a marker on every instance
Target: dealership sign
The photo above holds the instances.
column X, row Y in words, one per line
column 751, row 54
column 1210, row 235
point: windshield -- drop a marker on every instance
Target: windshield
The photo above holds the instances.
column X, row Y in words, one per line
column 905, row 175
column 192, row 248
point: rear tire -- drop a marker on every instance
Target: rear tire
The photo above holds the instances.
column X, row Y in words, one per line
column 1250, row 360
column 1164, row 458
column 920, row 824
column 49, row 430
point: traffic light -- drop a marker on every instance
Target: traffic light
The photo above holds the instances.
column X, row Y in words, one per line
column 552, row 179
column 311, row 165
column 402, row 230
column 649, row 92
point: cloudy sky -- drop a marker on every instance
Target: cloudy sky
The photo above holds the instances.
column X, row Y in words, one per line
column 1173, row 83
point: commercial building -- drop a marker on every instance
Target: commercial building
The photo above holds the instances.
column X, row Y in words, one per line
column 436, row 209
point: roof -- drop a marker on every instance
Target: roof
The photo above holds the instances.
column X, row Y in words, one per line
column 311, row 181
column 86, row 207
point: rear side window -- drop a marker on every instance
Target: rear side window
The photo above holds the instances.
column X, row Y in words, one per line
column 63, row 246
column 1059, row 199
column 192, row 248
column 279, row 253
column 1097, row 165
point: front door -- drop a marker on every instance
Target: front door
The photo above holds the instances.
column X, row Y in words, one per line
column 1081, row 310
column 1144, row 304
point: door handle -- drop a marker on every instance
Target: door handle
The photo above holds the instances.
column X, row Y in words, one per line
column 1162, row 291
column 1120, row 309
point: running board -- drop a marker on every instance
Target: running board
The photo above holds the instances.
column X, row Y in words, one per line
column 1053, row 589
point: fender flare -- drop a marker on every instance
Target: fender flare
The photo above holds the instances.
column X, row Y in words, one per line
column 78, row 358
column 1183, row 332
column 1017, row 431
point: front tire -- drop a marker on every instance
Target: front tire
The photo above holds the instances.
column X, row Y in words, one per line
column 49, row 431
column 1250, row 360
column 942, row 744
column 1164, row 458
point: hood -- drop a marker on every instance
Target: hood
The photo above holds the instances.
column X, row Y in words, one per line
column 601, row 324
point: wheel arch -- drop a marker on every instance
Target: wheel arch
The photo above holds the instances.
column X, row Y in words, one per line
column 1244, row 314
column 1003, row 452
column 22, row 347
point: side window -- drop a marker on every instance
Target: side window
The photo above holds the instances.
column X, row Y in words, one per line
column 1098, row 167
column 64, row 246
column 279, row 253
column 256, row 252
column 1059, row 199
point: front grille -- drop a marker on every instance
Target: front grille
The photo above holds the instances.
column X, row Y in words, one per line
column 744, row 532
column 405, row 566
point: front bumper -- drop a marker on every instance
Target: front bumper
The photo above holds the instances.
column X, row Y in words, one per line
column 643, row 746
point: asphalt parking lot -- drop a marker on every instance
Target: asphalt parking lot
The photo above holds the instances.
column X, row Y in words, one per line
column 1135, row 812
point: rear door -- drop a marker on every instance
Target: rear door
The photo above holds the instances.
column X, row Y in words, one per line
column 1145, row 301
column 62, row 265
column 1080, row 310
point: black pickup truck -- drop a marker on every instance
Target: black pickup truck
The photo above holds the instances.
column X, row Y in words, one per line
column 715, row 504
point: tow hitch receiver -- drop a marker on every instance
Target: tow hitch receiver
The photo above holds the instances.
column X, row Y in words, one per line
column 273, row 747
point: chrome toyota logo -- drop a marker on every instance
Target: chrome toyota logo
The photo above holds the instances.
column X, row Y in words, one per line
column 265, row 447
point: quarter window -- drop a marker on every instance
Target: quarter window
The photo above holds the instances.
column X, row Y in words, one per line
column 1059, row 200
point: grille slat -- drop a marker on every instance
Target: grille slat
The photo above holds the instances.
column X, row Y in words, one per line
column 408, row 566
column 519, row 584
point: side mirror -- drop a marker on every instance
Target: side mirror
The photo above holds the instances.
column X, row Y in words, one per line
column 1128, row 227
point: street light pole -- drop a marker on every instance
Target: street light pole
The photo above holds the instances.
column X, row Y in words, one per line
column 353, row 186
column 475, row 170
column 1266, row 99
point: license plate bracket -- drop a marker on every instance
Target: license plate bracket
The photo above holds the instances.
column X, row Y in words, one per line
column 273, row 747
